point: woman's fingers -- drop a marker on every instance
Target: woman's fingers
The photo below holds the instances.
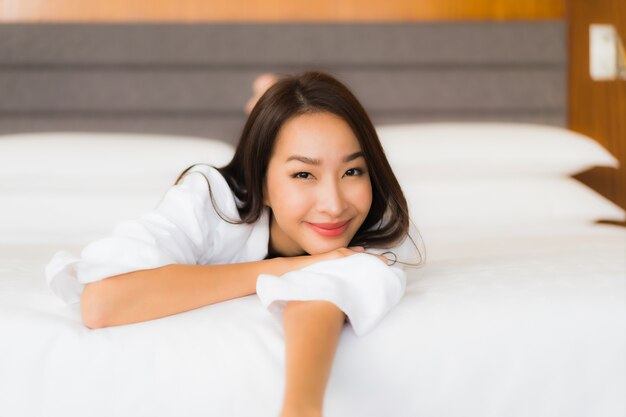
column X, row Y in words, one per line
column 362, row 249
column 351, row 250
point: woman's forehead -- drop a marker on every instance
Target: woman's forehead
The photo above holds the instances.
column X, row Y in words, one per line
column 316, row 136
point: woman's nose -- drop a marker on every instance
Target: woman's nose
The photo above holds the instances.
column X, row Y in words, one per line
column 331, row 199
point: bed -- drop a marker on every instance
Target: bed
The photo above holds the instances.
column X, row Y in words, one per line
column 519, row 309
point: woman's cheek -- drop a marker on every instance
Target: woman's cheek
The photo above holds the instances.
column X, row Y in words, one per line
column 361, row 195
column 296, row 198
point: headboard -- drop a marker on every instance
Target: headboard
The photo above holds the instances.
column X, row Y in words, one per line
column 194, row 79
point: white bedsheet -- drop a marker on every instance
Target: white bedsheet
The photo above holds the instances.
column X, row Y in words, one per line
column 531, row 323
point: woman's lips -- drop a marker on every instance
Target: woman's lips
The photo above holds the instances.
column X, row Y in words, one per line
column 329, row 229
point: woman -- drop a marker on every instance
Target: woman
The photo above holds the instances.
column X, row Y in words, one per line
column 307, row 190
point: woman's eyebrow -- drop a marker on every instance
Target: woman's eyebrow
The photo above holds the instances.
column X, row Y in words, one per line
column 314, row 161
column 305, row 159
column 353, row 156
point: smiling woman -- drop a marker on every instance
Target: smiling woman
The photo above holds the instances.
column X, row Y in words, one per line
column 318, row 120
column 301, row 215
column 318, row 201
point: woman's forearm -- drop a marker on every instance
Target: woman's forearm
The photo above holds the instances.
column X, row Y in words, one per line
column 153, row 293
column 312, row 331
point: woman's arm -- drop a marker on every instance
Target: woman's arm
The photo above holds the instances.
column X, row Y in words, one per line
column 312, row 331
column 153, row 293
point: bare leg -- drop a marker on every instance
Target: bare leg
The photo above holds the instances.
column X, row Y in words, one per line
column 312, row 330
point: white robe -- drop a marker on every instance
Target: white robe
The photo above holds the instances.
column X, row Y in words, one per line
column 185, row 228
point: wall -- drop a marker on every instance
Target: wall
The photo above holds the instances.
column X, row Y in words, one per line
column 598, row 108
column 276, row 10
column 194, row 79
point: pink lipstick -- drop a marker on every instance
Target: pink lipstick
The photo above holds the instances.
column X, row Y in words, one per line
column 329, row 229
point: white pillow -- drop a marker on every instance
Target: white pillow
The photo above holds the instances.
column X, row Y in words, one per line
column 77, row 186
column 506, row 202
column 447, row 150
column 102, row 161
column 41, row 215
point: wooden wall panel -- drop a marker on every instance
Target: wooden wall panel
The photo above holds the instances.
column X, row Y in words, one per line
column 598, row 108
column 275, row 10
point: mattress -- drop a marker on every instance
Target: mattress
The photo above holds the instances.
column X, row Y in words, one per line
column 529, row 325
column 511, row 314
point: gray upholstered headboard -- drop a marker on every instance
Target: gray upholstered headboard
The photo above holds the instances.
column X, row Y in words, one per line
column 195, row 78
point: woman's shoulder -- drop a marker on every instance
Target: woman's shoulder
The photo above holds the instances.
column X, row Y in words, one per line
column 206, row 177
column 206, row 188
column 214, row 207
column 210, row 173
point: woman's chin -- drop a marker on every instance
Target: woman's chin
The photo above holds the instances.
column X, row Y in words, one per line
column 325, row 247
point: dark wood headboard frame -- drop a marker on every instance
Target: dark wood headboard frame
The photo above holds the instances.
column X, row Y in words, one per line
column 194, row 79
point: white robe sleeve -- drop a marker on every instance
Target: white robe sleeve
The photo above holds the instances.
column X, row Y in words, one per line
column 173, row 233
column 361, row 285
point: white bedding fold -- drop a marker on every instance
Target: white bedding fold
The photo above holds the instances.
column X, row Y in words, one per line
column 361, row 285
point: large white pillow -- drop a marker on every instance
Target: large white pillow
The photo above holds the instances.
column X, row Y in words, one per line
column 40, row 215
column 506, row 202
column 102, row 161
column 483, row 149
column 77, row 186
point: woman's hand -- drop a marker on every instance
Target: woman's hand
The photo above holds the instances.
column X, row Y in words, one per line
column 343, row 252
column 303, row 261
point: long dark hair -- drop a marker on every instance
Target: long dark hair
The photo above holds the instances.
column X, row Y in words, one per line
column 387, row 222
column 388, row 219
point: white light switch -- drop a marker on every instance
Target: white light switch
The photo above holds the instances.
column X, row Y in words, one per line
column 603, row 52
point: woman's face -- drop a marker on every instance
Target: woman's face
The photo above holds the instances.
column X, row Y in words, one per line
column 317, row 185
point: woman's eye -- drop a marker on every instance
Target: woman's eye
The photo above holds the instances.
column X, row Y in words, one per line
column 302, row 175
column 354, row 172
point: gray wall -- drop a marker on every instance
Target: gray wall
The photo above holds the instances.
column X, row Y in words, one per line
column 195, row 78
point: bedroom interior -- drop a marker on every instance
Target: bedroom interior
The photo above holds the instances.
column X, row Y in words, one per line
column 593, row 108
column 487, row 106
